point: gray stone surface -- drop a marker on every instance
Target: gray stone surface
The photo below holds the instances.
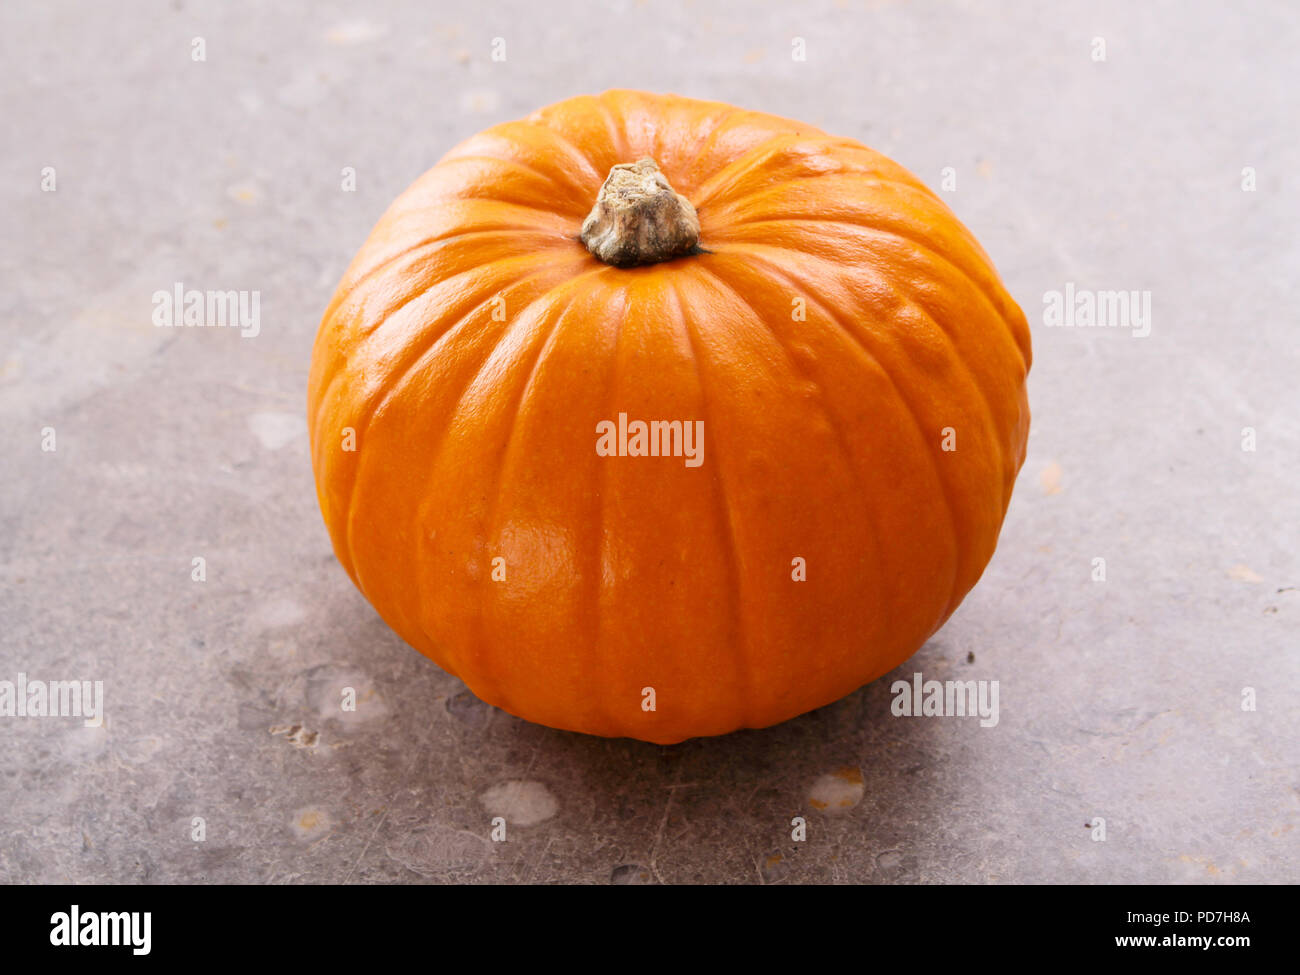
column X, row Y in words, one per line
column 1119, row 700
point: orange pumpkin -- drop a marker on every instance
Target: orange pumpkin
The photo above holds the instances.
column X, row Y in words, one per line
column 492, row 412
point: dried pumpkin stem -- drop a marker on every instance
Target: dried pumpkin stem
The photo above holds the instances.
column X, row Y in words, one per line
column 639, row 219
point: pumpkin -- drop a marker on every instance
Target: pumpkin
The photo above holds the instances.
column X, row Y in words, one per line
column 654, row 417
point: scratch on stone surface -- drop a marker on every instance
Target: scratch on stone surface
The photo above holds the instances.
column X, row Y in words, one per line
column 406, row 777
column 538, row 862
column 663, row 821
column 533, row 760
column 1130, row 730
column 374, row 833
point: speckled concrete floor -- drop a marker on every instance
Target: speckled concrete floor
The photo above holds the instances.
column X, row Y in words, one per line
column 1120, row 700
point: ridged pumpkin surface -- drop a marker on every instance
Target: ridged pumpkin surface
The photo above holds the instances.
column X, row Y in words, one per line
column 838, row 326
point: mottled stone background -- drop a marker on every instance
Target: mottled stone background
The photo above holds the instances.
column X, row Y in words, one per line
column 1119, row 700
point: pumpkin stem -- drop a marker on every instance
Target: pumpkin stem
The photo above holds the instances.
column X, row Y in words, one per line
column 639, row 219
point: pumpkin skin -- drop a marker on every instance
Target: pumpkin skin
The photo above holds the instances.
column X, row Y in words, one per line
column 837, row 325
